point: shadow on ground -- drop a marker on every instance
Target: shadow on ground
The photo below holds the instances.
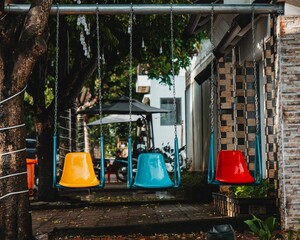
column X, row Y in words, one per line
column 116, row 210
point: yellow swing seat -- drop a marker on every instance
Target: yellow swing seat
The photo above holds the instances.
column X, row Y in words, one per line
column 78, row 171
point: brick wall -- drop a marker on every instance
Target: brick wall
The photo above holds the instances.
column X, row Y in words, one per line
column 281, row 58
column 288, row 118
column 245, row 120
column 269, row 58
column 245, row 125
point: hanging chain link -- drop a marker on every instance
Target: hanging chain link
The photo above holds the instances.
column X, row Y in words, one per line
column 212, row 79
column 130, row 68
column 56, row 71
column 234, row 99
column 173, row 69
column 246, row 118
column 99, row 70
column 255, row 71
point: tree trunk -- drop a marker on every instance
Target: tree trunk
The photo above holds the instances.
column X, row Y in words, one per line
column 15, row 219
column 70, row 85
column 44, row 128
column 21, row 43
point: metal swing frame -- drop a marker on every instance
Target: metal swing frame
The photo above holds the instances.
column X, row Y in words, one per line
column 177, row 178
column 101, row 139
column 114, row 9
column 257, row 176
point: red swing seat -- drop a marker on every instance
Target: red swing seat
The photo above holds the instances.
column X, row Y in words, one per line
column 232, row 168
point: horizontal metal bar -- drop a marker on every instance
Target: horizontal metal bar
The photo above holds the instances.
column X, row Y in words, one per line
column 114, row 9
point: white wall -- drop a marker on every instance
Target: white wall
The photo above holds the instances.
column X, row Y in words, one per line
column 165, row 134
column 291, row 10
column 238, row 1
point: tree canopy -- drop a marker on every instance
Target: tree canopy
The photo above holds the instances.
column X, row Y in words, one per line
column 78, row 62
column 27, row 58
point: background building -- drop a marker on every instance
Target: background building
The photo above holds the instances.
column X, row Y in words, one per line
column 161, row 96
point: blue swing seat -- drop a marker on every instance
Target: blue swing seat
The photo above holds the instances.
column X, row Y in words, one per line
column 152, row 172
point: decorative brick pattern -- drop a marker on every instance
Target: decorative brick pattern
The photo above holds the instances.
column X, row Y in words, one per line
column 234, row 207
column 288, row 124
column 282, row 113
column 240, row 105
column 225, row 104
column 270, row 109
column 245, row 124
column 249, row 107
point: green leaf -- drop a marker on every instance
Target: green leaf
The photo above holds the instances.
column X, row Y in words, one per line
column 252, row 226
column 270, row 223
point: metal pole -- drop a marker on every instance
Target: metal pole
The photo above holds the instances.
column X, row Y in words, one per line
column 114, row 9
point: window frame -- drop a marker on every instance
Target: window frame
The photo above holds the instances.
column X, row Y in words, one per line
column 166, row 119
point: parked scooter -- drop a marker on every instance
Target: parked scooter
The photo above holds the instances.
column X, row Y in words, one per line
column 119, row 167
column 169, row 158
column 96, row 164
column 120, row 163
column 168, row 152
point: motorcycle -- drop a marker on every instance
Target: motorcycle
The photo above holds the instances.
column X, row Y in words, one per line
column 119, row 167
column 96, row 164
column 168, row 154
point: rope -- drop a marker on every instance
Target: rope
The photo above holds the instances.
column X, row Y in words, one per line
column 12, row 175
column 66, row 129
column 63, row 137
column 64, row 149
column 13, row 193
column 16, row 151
column 12, row 127
column 18, row 93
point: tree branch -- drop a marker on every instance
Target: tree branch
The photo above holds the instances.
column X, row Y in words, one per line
column 31, row 44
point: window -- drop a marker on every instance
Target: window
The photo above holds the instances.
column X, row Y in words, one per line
column 168, row 118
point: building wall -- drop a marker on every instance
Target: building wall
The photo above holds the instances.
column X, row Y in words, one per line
column 280, row 110
column 245, row 107
column 288, row 118
column 269, row 91
column 236, row 121
column 165, row 134
column 281, row 113
column 198, row 132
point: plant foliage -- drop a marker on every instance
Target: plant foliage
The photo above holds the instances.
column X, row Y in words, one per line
column 248, row 191
column 264, row 229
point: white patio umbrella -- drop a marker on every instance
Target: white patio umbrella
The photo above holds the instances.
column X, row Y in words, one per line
column 115, row 118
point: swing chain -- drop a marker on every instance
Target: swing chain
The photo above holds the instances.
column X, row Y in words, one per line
column 173, row 69
column 255, row 71
column 130, row 67
column 56, row 71
column 234, row 99
column 99, row 70
column 212, row 70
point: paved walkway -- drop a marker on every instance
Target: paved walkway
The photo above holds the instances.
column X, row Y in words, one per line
column 120, row 211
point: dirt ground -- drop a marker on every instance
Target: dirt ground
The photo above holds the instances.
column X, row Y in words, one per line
column 187, row 236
